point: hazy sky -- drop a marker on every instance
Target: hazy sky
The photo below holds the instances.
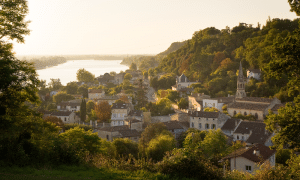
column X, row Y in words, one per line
column 60, row 27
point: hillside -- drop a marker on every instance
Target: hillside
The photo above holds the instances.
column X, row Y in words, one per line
column 212, row 56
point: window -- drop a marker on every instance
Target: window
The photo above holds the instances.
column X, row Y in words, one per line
column 245, row 113
column 206, row 126
column 234, row 113
column 200, row 126
column 213, row 126
column 206, row 119
column 65, row 119
column 248, row 168
column 107, row 137
column 256, row 115
column 192, row 124
column 237, row 137
column 242, row 137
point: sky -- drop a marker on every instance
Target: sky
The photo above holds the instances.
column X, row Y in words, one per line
column 65, row 27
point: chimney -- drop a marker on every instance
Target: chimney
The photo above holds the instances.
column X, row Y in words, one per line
column 91, row 122
column 250, row 132
column 96, row 123
column 256, row 152
column 103, row 124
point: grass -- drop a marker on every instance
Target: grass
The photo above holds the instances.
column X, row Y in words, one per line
column 64, row 172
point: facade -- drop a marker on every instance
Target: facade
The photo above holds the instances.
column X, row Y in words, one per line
column 118, row 113
column 212, row 103
column 95, row 93
column 181, row 83
column 253, row 73
column 250, row 159
column 255, row 106
column 207, row 120
column 69, row 106
column 67, row 117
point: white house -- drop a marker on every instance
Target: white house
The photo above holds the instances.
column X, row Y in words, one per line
column 253, row 73
column 118, row 113
column 67, row 117
column 207, row 120
column 181, row 83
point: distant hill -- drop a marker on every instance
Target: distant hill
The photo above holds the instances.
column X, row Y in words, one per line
column 174, row 46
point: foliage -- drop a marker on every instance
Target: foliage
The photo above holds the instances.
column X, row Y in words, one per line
column 295, row 6
column 183, row 103
column 164, row 82
column 183, row 135
column 282, row 155
column 125, row 147
column 194, row 138
column 57, row 121
column 103, row 111
column 160, row 108
column 172, row 95
column 249, row 117
column 127, row 76
column 89, row 106
column 71, row 88
column 211, row 109
column 133, row 67
column 55, row 84
column 83, row 89
column 62, row 96
column 152, row 131
column 285, row 125
column 158, row 146
column 81, row 126
column 186, row 164
column 83, row 110
column 84, row 76
column 13, row 24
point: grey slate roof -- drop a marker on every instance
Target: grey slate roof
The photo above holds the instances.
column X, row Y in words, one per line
column 230, row 124
column 246, row 126
column 277, row 106
column 250, row 106
column 254, row 70
column 135, row 113
column 120, row 106
column 255, row 99
column 182, row 78
column 114, row 128
column 130, row 133
column 172, row 125
column 205, row 114
column 61, row 113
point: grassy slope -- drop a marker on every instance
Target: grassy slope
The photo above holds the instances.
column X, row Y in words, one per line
column 73, row 173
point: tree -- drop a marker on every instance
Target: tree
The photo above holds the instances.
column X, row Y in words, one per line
column 295, row 6
column 152, row 131
column 84, row 76
column 133, row 67
column 183, row 104
column 71, row 88
column 57, row 121
column 83, row 110
column 141, row 95
column 83, row 89
column 55, row 84
column 89, row 106
column 125, row 147
column 62, row 96
column 159, row 146
column 211, row 109
column 12, row 20
column 127, row 76
column 103, row 111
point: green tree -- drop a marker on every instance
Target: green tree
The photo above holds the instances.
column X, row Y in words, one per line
column 211, row 109
column 127, row 76
column 125, row 147
column 55, row 84
column 57, row 121
column 89, row 106
column 62, row 96
column 295, row 6
column 84, row 76
column 83, row 110
column 183, row 103
column 13, row 24
column 159, row 146
column 71, row 88
column 173, row 95
column 83, row 89
column 141, row 95
column 133, row 67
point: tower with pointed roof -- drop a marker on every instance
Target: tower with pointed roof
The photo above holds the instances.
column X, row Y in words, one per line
column 240, row 92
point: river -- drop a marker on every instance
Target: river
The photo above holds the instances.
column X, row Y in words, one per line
column 66, row 72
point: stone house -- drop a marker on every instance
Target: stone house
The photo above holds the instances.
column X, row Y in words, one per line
column 67, row 117
column 196, row 101
column 109, row 133
column 95, row 93
column 135, row 114
column 119, row 78
column 118, row 113
column 276, row 108
column 253, row 73
column 175, row 128
column 134, row 124
column 252, row 105
column 109, row 99
column 249, row 159
column 207, row 120
column 252, row 133
column 69, row 106
column 181, row 83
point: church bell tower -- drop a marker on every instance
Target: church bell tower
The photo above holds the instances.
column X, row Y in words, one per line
column 240, row 92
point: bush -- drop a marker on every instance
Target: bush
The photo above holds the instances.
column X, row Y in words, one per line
column 125, row 147
column 71, row 126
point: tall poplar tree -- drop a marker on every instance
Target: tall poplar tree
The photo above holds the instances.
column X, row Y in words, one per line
column 83, row 110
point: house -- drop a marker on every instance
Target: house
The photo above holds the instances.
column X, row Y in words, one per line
column 119, row 78
column 69, row 106
column 67, row 117
column 175, row 128
column 181, row 83
column 276, row 108
column 229, row 126
column 207, row 120
column 252, row 132
column 253, row 73
column 109, row 133
column 249, row 159
column 134, row 124
column 95, row 93
column 252, row 105
column 135, row 114
column 109, row 99
column 118, row 113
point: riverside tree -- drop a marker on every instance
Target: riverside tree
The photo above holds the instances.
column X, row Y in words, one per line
column 85, row 76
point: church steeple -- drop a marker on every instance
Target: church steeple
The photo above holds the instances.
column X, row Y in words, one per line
column 240, row 92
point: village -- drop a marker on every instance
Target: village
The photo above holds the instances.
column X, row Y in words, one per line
column 203, row 113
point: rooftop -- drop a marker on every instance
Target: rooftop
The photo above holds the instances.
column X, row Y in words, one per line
column 205, row 114
column 171, row 125
column 120, row 106
column 257, row 107
column 254, row 126
column 230, row 124
column 255, row 99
